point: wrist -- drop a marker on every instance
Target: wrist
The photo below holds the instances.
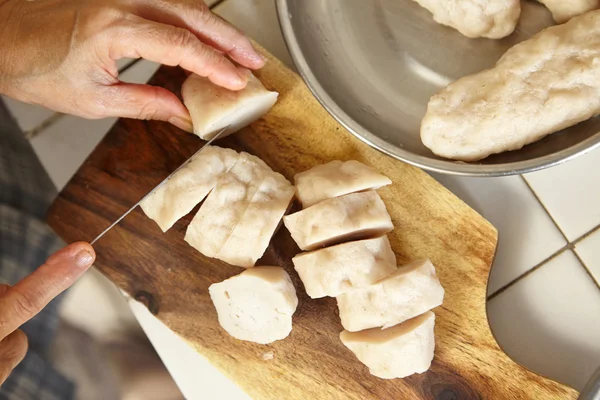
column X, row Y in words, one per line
column 6, row 13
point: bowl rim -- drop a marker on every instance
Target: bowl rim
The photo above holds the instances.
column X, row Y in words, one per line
column 434, row 165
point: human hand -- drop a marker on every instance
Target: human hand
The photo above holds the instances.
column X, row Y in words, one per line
column 62, row 54
column 23, row 301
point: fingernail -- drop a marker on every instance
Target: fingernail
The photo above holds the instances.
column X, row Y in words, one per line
column 182, row 123
column 84, row 259
column 264, row 58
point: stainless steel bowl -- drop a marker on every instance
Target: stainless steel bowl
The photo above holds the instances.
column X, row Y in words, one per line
column 374, row 64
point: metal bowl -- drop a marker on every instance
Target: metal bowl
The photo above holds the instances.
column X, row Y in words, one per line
column 374, row 64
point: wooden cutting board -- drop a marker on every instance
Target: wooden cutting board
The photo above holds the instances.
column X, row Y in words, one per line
column 172, row 279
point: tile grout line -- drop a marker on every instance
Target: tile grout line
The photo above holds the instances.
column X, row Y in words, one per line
column 51, row 120
column 545, row 209
column 587, row 270
column 570, row 243
column 217, row 3
column 568, row 246
column 528, row 272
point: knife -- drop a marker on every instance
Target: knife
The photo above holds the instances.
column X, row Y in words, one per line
column 159, row 185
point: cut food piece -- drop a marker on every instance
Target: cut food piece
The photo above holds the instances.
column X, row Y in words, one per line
column 213, row 107
column 226, row 204
column 396, row 352
column 256, row 305
column 542, row 85
column 338, row 269
column 251, row 236
column 188, row 186
column 492, row 19
column 564, row 10
column 334, row 179
column 350, row 217
column 408, row 292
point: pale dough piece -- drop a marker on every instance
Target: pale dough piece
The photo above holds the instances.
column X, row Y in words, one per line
column 540, row 86
column 226, row 204
column 213, row 107
column 350, row 217
column 396, row 352
column 251, row 236
column 334, row 179
column 188, row 186
column 564, row 10
column 492, row 19
column 256, row 305
column 334, row 270
column 408, row 292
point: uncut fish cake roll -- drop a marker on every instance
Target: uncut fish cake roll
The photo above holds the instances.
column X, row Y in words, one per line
column 213, row 107
column 188, row 186
column 408, row 292
column 396, row 352
column 337, row 269
column 350, row 217
column 563, row 10
column 334, row 179
column 256, row 305
column 492, row 19
column 542, row 85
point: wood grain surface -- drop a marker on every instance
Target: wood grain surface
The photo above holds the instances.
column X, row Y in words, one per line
column 172, row 279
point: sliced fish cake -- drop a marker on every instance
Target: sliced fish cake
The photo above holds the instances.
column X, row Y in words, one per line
column 213, row 107
column 408, row 292
column 396, row 352
column 334, row 179
column 540, row 86
column 256, row 305
column 226, row 204
column 188, row 186
column 350, row 217
column 338, row 269
column 251, row 236
column 492, row 19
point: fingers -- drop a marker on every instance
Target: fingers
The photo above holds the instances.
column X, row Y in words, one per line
column 171, row 45
column 147, row 102
column 3, row 288
column 12, row 351
column 24, row 300
column 197, row 17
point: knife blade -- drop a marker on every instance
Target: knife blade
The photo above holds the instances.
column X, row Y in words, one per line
column 159, row 185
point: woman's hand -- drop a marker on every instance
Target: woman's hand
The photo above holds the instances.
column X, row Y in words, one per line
column 20, row 303
column 62, row 54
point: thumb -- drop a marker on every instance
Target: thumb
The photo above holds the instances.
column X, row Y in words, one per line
column 129, row 100
column 23, row 301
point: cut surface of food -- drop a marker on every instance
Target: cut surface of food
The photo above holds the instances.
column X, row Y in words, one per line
column 213, row 107
column 251, row 236
column 564, row 10
column 188, row 186
column 408, row 292
column 226, row 204
column 492, row 19
column 334, row 179
column 334, row 270
column 540, row 86
column 396, row 352
column 350, row 217
column 256, row 305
